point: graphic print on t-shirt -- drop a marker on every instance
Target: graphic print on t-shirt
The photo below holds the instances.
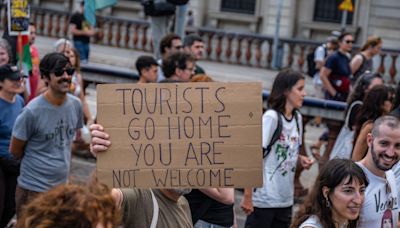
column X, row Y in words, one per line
column 61, row 134
column 284, row 155
column 384, row 203
column 387, row 219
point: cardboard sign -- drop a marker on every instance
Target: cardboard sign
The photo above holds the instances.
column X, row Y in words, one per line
column 171, row 135
column 18, row 17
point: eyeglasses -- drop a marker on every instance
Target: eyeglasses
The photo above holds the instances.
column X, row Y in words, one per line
column 349, row 41
column 60, row 72
column 190, row 69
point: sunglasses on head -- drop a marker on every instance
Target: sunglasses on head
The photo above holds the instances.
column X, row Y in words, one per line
column 60, row 72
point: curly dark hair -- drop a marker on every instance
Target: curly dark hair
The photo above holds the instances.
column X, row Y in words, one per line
column 166, row 42
column 283, row 83
column 71, row 206
column 372, row 107
column 176, row 60
column 331, row 175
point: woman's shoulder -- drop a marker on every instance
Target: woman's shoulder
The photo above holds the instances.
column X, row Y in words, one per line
column 271, row 113
column 312, row 221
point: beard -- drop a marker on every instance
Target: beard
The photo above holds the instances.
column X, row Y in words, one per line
column 180, row 191
column 375, row 158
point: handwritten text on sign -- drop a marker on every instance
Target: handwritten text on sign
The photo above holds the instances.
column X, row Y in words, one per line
column 181, row 135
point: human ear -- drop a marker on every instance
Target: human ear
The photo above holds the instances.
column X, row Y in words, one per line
column 370, row 139
column 325, row 192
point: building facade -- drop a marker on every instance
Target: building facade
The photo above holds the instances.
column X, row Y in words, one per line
column 309, row 19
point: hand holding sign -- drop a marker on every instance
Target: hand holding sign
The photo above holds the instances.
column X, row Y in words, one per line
column 179, row 135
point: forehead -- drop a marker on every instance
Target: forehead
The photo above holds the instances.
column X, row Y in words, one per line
column 354, row 182
column 198, row 44
column 388, row 134
column 347, row 37
column 176, row 42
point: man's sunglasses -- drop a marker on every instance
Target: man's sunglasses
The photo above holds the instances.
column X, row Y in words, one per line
column 60, row 72
column 349, row 41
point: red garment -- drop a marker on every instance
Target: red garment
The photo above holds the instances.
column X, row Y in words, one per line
column 35, row 75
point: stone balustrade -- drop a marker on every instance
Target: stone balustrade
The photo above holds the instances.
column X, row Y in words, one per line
column 228, row 47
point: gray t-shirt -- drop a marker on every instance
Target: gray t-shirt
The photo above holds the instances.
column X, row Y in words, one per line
column 48, row 131
column 137, row 209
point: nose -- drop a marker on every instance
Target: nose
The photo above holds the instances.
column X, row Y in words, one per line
column 390, row 151
column 358, row 198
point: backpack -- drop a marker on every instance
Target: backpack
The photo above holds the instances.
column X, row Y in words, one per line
column 278, row 131
column 152, row 8
column 178, row 2
column 311, row 66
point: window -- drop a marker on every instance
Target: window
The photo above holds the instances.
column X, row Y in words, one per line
column 327, row 11
column 238, row 6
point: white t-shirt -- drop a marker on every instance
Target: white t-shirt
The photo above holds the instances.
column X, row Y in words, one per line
column 375, row 211
column 319, row 55
column 280, row 164
column 312, row 221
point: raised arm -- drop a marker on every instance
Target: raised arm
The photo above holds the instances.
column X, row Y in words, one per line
column 361, row 146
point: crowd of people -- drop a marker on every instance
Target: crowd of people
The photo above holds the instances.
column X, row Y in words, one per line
column 358, row 184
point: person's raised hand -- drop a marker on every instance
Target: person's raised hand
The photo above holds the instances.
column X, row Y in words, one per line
column 100, row 139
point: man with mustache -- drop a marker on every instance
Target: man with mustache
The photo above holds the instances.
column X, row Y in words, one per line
column 138, row 206
column 44, row 131
column 381, row 195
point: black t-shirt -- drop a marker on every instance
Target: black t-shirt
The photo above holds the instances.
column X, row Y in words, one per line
column 209, row 210
column 79, row 20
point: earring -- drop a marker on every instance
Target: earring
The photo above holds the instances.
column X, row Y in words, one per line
column 328, row 204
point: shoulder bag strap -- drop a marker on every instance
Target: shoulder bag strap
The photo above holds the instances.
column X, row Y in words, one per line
column 156, row 209
column 346, row 121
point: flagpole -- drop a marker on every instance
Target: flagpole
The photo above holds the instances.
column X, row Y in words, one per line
column 19, row 50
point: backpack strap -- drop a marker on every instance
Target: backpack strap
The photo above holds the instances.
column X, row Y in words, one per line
column 275, row 136
column 156, row 209
column 297, row 115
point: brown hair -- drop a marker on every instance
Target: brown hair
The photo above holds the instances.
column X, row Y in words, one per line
column 283, row 83
column 77, row 60
column 331, row 176
column 372, row 41
column 71, row 206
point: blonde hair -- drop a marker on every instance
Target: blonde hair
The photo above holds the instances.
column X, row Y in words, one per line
column 372, row 41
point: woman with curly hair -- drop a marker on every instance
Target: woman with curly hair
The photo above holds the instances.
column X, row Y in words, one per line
column 336, row 198
column 71, row 206
column 376, row 103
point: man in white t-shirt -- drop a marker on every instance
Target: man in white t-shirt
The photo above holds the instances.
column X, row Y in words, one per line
column 381, row 205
